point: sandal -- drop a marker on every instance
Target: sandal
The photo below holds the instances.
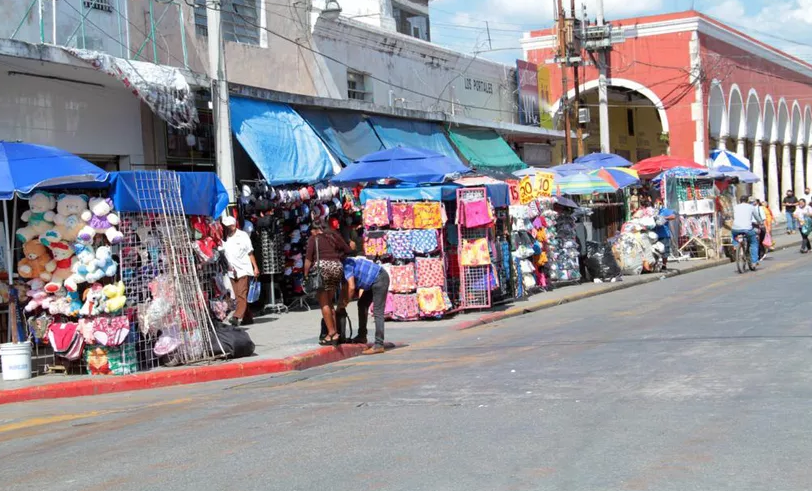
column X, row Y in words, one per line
column 332, row 340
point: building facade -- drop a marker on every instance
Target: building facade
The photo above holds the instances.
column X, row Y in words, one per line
column 709, row 86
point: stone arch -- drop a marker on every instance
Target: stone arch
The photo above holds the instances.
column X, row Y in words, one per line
column 626, row 84
column 717, row 112
column 797, row 160
column 754, row 125
column 785, row 139
column 735, row 112
column 770, row 129
column 796, row 125
column 769, row 124
column 783, row 122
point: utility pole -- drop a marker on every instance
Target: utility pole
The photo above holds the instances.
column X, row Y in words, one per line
column 563, row 53
column 219, row 97
column 576, row 81
column 603, row 93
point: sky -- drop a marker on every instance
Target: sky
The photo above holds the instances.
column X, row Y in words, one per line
column 462, row 24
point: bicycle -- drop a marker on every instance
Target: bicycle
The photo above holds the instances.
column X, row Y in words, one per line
column 743, row 259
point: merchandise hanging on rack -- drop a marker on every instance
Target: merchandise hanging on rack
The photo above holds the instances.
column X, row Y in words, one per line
column 475, row 222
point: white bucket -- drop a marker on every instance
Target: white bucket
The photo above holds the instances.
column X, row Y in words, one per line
column 16, row 360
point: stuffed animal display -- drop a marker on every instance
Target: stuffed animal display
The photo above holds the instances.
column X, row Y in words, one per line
column 61, row 264
column 36, row 262
column 70, row 210
column 101, row 220
column 39, row 217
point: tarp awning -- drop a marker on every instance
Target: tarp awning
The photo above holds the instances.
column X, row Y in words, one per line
column 484, row 148
column 202, row 193
column 347, row 134
column 395, row 132
column 282, row 145
column 498, row 193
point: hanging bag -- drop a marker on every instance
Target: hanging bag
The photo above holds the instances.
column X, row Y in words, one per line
column 254, row 290
column 315, row 278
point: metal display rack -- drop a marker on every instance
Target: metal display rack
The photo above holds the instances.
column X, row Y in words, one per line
column 475, row 289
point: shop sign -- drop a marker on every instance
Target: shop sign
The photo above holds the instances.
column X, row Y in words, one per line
column 527, row 80
column 544, row 184
column 526, row 192
column 514, row 193
column 545, row 98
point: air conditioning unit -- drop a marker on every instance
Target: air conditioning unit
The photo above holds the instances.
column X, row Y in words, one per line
column 583, row 115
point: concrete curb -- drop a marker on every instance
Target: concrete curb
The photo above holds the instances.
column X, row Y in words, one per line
column 310, row 359
column 182, row 376
column 492, row 317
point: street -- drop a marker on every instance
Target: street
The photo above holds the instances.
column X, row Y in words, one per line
column 699, row 382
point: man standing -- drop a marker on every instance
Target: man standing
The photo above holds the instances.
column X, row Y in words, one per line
column 807, row 196
column 745, row 217
column 371, row 282
column 242, row 266
column 663, row 229
column 790, row 203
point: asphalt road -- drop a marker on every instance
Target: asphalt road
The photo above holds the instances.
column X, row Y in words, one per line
column 699, row 382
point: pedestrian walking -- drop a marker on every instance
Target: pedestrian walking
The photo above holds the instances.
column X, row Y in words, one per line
column 746, row 221
column 326, row 249
column 242, row 267
column 790, row 204
column 371, row 282
column 803, row 213
column 807, row 196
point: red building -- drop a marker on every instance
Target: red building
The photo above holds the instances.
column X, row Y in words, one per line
column 707, row 86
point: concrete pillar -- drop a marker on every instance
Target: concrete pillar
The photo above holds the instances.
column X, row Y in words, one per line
column 722, row 142
column 786, row 170
column 757, row 166
column 741, row 148
column 773, row 198
column 809, row 166
column 799, row 169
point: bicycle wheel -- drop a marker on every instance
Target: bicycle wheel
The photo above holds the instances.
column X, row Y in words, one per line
column 741, row 258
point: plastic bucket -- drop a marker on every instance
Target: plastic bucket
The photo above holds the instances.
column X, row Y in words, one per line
column 16, row 360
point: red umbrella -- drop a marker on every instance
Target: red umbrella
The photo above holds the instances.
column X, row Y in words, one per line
column 655, row 165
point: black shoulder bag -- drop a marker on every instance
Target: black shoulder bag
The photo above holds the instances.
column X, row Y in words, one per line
column 315, row 279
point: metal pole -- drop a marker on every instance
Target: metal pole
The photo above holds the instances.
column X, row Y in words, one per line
column 219, row 95
column 118, row 19
column 603, row 90
column 183, row 37
column 152, row 33
column 562, row 53
column 53, row 22
column 82, row 21
column 577, row 83
column 41, row 7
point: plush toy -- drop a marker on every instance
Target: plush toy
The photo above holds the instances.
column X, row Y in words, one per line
column 114, row 298
column 36, row 262
column 84, row 268
column 69, row 222
column 93, row 301
column 60, row 304
column 61, row 264
column 39, row 217
column 102, row 220
column 37, row 295
column 104, row 261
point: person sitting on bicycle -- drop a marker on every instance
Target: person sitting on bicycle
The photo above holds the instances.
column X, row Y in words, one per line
column 746, row 220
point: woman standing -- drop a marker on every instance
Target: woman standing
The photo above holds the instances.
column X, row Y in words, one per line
column 326, row 249
column 803, row 215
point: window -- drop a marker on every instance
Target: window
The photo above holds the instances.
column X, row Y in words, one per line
column 356, row 86
column 180, row 146
column 240, row 19
column 411, row 24
column 103, row 5
column 630, row 121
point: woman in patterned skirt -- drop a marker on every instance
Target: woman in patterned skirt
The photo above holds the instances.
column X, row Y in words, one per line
column 327, row 249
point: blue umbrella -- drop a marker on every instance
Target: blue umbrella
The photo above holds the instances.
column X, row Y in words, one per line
column 721, row 158
column 600, row 160
column 25, row 167
column 414, row 165
column 744, row 176
column 577, row 184
column 570, row 169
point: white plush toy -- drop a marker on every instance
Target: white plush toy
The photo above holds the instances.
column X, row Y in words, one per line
column 101, row 219
column 84, row 269
column 39, row 217
column 68, row 218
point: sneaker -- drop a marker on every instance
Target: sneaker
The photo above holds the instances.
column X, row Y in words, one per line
column 375, row 350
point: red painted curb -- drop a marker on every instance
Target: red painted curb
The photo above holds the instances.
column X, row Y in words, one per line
column 182, row 376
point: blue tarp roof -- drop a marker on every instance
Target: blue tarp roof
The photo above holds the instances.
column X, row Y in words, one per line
column 347, row 134
column 498, row 193
column 282, row 145
column 395, row 132
column 412, row 165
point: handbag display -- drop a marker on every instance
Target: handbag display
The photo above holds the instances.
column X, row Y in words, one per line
column 315, row 278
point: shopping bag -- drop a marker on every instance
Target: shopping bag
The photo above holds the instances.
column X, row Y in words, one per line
column 253, row 291
column 768, row 240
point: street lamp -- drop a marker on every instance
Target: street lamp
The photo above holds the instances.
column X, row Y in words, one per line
column 331, row 10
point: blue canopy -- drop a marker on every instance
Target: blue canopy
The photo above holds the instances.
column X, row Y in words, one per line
column 25, row 167
column 347, row 134
column 499, row 193
column 202, row 193
column 282, row 145
column 395, row 132
column 413, row 165
column 721, row 158
column 599, row 160
column 570, row 169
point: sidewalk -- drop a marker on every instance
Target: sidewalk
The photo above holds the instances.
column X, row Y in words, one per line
column 290, row 341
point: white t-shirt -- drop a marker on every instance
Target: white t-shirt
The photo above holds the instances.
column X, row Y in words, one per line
column 744, row 216
column 238, row 249
column 801, row 213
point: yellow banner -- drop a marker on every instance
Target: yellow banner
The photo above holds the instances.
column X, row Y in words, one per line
column 544, row 184
column 526, row 193
column 545, row 98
